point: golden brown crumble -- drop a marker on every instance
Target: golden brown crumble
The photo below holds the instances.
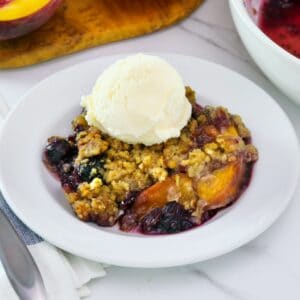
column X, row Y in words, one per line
column 90, row 143
column 212, row 139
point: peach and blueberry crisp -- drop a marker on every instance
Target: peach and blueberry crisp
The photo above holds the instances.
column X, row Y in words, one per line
column 163, row 188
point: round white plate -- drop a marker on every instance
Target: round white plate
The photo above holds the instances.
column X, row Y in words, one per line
column 38, row 200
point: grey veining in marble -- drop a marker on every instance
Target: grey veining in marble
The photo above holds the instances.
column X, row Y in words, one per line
column 220, row 286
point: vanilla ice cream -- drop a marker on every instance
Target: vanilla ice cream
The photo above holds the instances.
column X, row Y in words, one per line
column 140, row 99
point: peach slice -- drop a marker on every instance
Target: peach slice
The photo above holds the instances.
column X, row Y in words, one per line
column 18, row 17
column 155, row 196
column 222, row 186
column 216, row 189
column 175, row 188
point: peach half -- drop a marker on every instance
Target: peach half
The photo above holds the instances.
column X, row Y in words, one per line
column 18, row 17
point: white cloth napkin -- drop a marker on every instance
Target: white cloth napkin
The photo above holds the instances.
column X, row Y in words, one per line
column 65, row 275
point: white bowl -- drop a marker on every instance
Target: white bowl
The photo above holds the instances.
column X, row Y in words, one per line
column 37, row 199
column 282, row 68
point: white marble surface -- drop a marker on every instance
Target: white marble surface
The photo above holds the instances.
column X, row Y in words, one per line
column 267, row 268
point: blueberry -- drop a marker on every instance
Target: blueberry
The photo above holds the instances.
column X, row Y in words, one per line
column 57, row 149
column 150, row 222
column 129, row 200
column 220, row 119
column 128, row 222
column 91, row 168
column 196, row 110
column 275, row 10
column 203, row 139
column 171, row 218
column 70, row 181
column 284, row 3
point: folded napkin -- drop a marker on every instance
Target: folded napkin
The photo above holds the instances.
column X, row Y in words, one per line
column 65, row 275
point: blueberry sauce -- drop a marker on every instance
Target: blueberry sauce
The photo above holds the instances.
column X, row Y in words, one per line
column 280, row 21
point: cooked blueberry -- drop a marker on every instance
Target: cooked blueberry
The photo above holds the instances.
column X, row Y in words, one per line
column 150, row 223
column 275, row 10
column 196, row 110
column 203, row 139
column 91, row 168
column 71, row 181
column 282, row 3
column 57, row 149
column 220, row 119
column 171, row 218
column 72, row 139
column 128, row 222
column 129, row 200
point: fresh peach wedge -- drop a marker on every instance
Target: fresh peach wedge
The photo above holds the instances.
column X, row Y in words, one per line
column 18, row 17
column 175, row 188
column 222, row 186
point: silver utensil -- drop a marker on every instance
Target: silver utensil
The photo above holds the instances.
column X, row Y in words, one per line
column 19, row 264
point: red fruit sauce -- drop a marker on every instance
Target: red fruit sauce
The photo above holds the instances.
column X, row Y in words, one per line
column 280, row 20
column 4, row 2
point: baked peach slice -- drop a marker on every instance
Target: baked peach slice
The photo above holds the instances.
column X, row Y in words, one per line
column 178, row 187
column 18, row 17
column 216, row 189
column 222, row 186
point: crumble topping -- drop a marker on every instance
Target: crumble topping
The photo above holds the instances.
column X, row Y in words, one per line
column 106, row 170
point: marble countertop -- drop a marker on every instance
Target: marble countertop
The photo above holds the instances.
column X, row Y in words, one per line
column 268, row 267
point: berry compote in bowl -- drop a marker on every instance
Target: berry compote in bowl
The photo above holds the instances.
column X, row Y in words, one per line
column 270, row 30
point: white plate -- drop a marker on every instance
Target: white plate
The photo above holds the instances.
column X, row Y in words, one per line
column 37, row 199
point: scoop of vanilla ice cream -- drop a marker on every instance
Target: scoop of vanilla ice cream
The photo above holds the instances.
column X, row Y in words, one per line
column 140, row 99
